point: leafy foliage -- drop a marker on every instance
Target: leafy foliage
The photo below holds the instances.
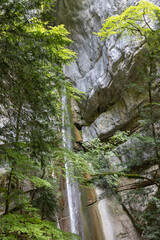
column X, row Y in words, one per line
column 29, row 226
column 138, row 20
column 47, row 201
column 151, row 220
column 32, row 54
column 78, row 164
column 97, row 154
column 142, row 23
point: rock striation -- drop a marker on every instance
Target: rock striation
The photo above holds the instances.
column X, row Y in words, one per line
column 103, row 70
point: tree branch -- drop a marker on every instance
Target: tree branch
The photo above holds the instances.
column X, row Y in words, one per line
column 120, row 174
column 147, row 22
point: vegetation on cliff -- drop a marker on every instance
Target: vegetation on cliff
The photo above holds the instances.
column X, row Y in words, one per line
column 33, row 52
column 142, row 23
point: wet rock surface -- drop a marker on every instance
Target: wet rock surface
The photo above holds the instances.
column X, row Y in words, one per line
column 102, row 214
column 103, row 70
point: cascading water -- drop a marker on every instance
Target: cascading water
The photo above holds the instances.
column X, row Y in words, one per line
column 99, row 219
column 73, row 193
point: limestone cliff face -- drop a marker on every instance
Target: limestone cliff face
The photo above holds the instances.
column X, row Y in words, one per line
column 102, row 71
column 103, row 68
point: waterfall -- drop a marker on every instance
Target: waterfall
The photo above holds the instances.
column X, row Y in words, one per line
column 103, row 217
column 73, row 193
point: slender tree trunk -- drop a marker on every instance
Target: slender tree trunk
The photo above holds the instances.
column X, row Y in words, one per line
column 18, row 122
column 13, row 161
column 8, row 193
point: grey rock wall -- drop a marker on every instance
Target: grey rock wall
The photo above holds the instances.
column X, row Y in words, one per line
column 102, row 69
column 117, row 116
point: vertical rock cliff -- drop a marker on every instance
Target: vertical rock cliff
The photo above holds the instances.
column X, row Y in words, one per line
column 102, row 70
